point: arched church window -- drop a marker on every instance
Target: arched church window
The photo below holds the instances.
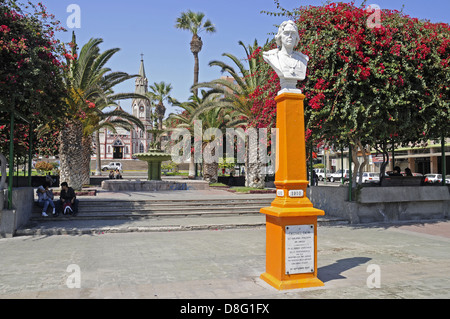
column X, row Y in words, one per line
column 118, row 143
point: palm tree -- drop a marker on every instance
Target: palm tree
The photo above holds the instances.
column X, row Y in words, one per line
column 160, row 92
column 236, row 99
column 89, row 83
column 193, row 22
column 183, row 120
column 215, row 118
column 188, row 116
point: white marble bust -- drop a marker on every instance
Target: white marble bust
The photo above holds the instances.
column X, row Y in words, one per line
column 288, row 64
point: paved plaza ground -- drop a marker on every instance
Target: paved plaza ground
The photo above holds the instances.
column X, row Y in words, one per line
column 414, row 262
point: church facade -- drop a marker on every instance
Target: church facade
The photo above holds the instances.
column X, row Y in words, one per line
column 122, row 144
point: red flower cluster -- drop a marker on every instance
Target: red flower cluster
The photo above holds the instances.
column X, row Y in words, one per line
column 4, row 29
column 264, row 105
column 69, row 57
column 354, row 68
column 90, row 104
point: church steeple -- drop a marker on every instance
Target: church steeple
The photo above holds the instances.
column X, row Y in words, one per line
column 142, row 69
column 141, row 80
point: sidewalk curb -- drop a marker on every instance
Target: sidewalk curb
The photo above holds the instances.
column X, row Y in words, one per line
column 124, row 230
column 55, row 231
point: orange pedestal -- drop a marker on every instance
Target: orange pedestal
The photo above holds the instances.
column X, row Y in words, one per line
column 291, row 221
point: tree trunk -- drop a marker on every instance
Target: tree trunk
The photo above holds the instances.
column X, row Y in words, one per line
column 98, row 165
column 385, row 161
column 87, row 152
column 254, row 176
column 196, row 72
column 359, row 167
column 160, row 112
column 364, row 163
column 196, row 47
column 192, row 166
column 71, row 154
column 210, row 172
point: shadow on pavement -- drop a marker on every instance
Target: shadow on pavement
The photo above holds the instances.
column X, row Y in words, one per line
column 334, row 271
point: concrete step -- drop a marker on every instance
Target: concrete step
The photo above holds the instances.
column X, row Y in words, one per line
column 166, row 206
column 143, row 214
column 103, row 202
column 99, row 215
column 174, row 202
column 70, row 226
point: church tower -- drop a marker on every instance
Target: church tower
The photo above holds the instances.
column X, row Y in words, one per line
column 142, row 110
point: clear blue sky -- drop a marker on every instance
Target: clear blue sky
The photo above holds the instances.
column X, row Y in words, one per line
column 147, row 26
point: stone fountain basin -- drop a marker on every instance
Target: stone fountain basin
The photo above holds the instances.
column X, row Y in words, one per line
column 154, row 158
column 153, row 186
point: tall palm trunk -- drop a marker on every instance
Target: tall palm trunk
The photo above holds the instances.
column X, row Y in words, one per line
column 192, row 166
column 196, row 47
column 210, row 170
column 254, row 176
column 160, row 112
column 98, row 165
column 86, row 153
column 70, row 153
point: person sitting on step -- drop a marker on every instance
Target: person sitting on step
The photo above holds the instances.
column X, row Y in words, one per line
column 67, row 199
column 45, row 199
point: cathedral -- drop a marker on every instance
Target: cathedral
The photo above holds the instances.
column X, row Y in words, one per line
column 122, row 144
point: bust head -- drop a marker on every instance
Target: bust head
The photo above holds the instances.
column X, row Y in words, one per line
column 290, row 66
column 286, row 29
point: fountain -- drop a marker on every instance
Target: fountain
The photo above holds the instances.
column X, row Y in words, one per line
column 154, row 157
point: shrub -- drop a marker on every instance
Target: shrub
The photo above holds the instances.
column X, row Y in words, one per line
column 44, row 166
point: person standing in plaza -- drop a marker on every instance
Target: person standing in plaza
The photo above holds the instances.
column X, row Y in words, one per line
column 315, row 178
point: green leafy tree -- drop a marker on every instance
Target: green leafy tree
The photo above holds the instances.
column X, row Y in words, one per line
column 29, row 53
column 370, row 86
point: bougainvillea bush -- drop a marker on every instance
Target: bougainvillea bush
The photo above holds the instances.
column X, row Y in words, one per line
column 31, row 74
column 368, row 85
column 31, row 69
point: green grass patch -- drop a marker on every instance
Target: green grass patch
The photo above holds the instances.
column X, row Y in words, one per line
column 218, row 185
column 244, row 189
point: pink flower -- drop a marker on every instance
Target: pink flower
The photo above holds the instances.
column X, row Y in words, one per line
column 4, row 29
